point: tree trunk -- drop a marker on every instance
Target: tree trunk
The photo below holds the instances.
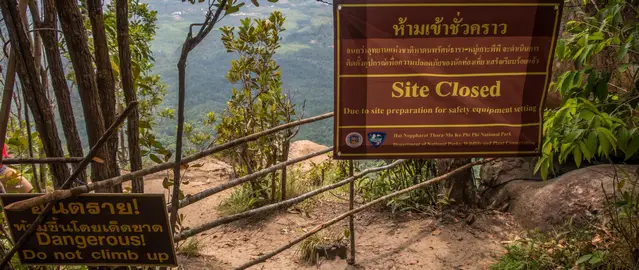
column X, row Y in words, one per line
column 461, row 185
column 105, row 81
column 34, row 92
column 285, row 150
column 7, row 94
column 122, row 10
column 59, row 82
column 78, row 47
column 36, row 41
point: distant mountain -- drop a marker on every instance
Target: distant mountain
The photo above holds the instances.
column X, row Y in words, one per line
column 306, row 59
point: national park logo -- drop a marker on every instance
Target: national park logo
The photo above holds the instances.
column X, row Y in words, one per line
column 354, row 139
column 376, row 138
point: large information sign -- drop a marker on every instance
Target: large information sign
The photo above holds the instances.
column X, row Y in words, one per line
column 425, row 78
column 96, row 229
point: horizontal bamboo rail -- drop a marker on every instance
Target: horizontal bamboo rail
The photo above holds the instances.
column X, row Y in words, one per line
column 107, row 183
column 359, row 209
column 48, row 160
column 272, row 207
column 190, row 199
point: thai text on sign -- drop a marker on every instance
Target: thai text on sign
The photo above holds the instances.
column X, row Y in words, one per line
column 96, row 229
column 439, row 79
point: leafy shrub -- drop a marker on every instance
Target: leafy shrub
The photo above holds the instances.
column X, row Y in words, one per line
column 564, row 249
column 410, row 173
column 241, row 200
column 308, row 249
column 601, row 95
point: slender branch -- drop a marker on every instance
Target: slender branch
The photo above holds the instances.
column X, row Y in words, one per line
column 190, row 199
column 187, row 46
column 359, row 209
column 63, row 194
column 271, row 207
column 85, row 162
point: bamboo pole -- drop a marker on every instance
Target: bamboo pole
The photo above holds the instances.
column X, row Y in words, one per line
column 359, row 209
column 107, row 183
column 42, row 160
column 85, row 162
column 272, row 207
column 351, row 218
column 190, row 199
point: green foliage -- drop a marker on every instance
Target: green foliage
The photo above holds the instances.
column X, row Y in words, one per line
column 410, row 173
column 241, row 200
column 566, row 249
column 310, row 249
column 190, row 248
column 610, row 241
column 600, row 96
column 258, row 104
column 149, row 88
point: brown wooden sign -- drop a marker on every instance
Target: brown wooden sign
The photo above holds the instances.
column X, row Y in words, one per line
column 421, row 78
column 96, row 229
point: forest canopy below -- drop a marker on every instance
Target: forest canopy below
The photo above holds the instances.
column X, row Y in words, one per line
column 305, row 56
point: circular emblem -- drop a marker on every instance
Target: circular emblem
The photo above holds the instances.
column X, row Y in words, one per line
column 354, row 139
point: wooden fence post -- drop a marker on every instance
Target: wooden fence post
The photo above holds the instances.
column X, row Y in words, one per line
column 351, row 219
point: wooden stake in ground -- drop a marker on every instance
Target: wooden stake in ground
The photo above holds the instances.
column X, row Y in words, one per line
column 359, row 209
column 351, row 218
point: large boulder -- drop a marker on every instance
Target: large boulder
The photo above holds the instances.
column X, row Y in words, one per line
column 573, row 196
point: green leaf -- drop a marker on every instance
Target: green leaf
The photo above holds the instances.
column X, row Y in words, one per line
column 583, row 259
column 577, row 155
column 604, row 145
column 611, row 137
column 585, row 151
column 623, row 68
column 273, row 1
column 594, row 260
column 544, row 170
column 623, row 136
column 166, row 183
column 574, row 135
column 596, row 36
column 155, row 158
column 632, row 148
column 232, row 10
column 255, row 3
column 623, row 51
column 601, row 89
column 567, row 83
column 591, row 142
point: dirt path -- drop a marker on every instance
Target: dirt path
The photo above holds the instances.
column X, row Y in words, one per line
column 383, row 241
